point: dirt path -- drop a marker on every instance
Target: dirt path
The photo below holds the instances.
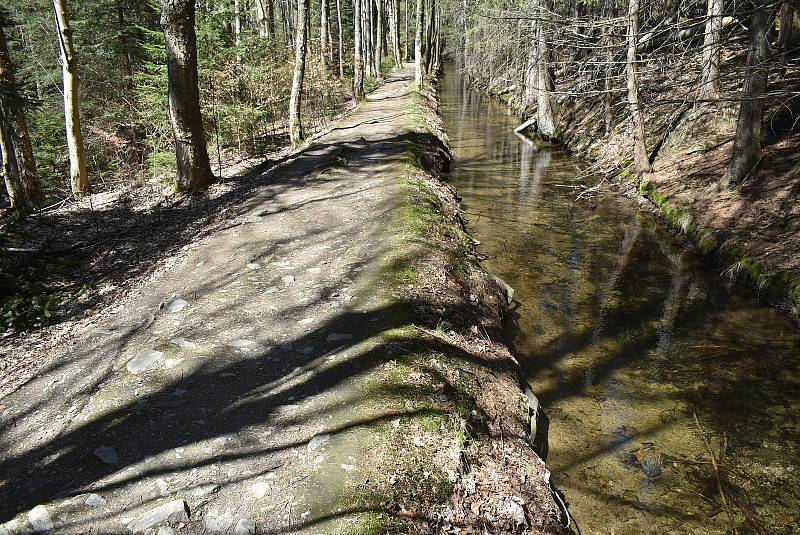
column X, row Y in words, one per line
column 234, row 391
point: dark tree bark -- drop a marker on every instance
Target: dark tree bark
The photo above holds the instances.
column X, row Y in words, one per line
column 747, row 144
column 358, row 60
column 19, row 168
column 301, row 44
column 177, row 20
column 429, row 22
column 379, row 37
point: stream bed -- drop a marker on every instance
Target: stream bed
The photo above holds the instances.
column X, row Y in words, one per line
column 649, row 368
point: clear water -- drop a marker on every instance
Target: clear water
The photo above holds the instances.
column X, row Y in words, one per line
column 626, row 336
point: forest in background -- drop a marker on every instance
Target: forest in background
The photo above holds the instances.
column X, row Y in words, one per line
column 637, row 87
column 112, row 95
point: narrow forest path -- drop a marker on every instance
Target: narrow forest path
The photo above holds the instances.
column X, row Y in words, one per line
column 237, row 386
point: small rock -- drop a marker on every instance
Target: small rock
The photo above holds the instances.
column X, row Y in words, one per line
column 204, row 489
column 244, row 526
column 314, row 270
column 184, row 344
column 241, row 343
column 164, row 530
column 12, row 527
column 337, row 337
column 288, row 279
column 348, row 467
column 171, row 511
column 145, row 361
column 94, row 500
column 253, row 266
column 171, row 363
column 163, row 486
column 107, row 455
column 39, row 519
column 317, row 441
column 176, row 304
column 259, row 489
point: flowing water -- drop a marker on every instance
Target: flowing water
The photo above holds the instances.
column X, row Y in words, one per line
column 650, row 370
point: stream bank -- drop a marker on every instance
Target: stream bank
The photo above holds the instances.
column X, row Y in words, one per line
column 649, row 368
column 751, row 233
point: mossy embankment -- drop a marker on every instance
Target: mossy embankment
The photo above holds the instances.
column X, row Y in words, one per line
column 751, row 233
column 465, row 459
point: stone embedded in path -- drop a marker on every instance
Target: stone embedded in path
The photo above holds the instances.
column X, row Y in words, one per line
column 39, row 519
column 253, row 266
column 171, row 511
column 288, row 279
column 205, row 489
column 164, row 530
column 94, row 500
column 338, row 337
column 176, row 304
column 317, row 441
column 147, row 360
column 107, row 455
column 244, row 526
column 259, row 489
column 163, row 486
column 241, row 343
column 183, row 343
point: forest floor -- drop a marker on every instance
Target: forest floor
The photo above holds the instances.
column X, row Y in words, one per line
column 287, row 369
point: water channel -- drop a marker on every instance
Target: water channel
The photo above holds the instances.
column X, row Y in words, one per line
column 647, row 365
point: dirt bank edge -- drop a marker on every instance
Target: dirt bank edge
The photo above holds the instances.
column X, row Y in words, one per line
column 475, row 431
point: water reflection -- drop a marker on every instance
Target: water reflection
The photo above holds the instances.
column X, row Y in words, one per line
column 625, row 337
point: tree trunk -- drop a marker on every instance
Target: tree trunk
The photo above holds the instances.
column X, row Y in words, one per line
column 405, row 42
column 418, row 74
column 608, row 115
column 19, row 167
column 323, row 35
column 271, row 18
column 369, row 43
column 544, row 109
column 709, row 86
column 358, row 60
column 789, row 24
column 79, row 180
column 395, row 18
column 640, row 158
column 261, row 19
column 379, row 37
column 237, row 29
column 532, row 69
column 428, row 50
column 747, row 144
column 341, row 41
column 177, row 20
column 301, row 42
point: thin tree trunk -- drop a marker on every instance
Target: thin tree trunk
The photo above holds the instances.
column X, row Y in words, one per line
column 237, row 29
column 301, row 42
column 323, row 36
column 532, row 69
column 19, row 167
column 271, row 18
column 607, row 83
column 640, row 158
column 358, row 60
column 405, row 45
column 341, row 40
column 437, row 40
column 177, row 20
column 747, row 144
column 79, row 180
column 379, row 37
column 418, row 74
column 369, row 34
column 544, row 108
column 395, row 18
column 709, row 86
column 429, row 35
